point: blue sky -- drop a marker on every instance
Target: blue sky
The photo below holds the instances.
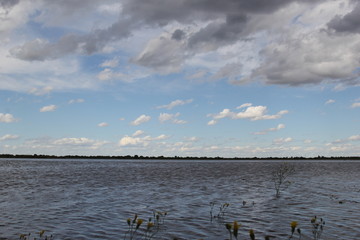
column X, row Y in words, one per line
column 180, row 78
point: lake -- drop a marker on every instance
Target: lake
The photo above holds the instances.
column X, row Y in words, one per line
column 92, row 199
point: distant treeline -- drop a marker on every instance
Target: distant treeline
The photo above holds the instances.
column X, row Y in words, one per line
column 174, row 157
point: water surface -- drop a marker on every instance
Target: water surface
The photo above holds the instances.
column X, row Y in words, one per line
column 91, row 199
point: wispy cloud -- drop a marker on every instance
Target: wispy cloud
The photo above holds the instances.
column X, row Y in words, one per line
column 8, row 137
column 330, row 101
column 103, row 124
column 140, row 120
column 244, row 105
column 175, row 103
column 110, row 63
column 355, row 105
column 79, row 100
column 49, row 108
column 282, row 140
column 168, row 117
column 138, row 133
column 277, row 128
column 41, row 91
column 352, row 138
column 84, row 142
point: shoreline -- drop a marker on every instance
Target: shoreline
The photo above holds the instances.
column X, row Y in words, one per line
column 137, row 157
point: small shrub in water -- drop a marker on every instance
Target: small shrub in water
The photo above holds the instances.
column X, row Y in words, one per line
column 280, row 175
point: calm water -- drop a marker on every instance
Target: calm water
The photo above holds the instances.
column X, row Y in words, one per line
column 89, row 199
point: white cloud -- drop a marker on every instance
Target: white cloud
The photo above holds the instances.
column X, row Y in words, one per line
column 282, row 140
column 253, row 113
column 192, row 139
column 244, row 105
column 138, row 133
column 355, row 105
column 103, row 124
column 8, row 137
column 41, row 91
column 110, row 63
column 105, row 74
column 164, row 117
column 198, row 74
column 347, row 140
column 79, row 100
column 49, row 108
column 354, row 138
column 127, row 140
column 330, row 101
column 108, row 75
column 142, row 119
column 140, row 141
column 277, row 128
column 82, row 141
column 7, row 118
column 212, row 122
column 175, row 103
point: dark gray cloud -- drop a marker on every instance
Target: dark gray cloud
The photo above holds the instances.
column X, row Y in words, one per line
column 8, row 3
column 310, row 59
column 349, row 23
column 87, row 44
column 178, row 34
column 218, row 34
column 139, row 13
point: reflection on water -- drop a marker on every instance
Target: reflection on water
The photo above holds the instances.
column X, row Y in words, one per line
column 88, row 199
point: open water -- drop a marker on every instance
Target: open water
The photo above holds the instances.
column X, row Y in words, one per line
column 92, row 199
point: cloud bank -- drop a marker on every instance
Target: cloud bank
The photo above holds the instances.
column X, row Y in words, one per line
column 282, row 42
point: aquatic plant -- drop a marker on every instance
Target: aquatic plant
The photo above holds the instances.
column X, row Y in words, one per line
column 252, row 234
column 318, row 227
column 152, row 226
column 280, row 175
column 233, row 229
column 133, row 226
column 220, row 213
column 39, row 236
column 293, row 226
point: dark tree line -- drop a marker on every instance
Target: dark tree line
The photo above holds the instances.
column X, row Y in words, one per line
column 44, row 156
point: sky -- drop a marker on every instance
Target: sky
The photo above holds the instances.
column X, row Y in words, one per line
column 232, row 78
